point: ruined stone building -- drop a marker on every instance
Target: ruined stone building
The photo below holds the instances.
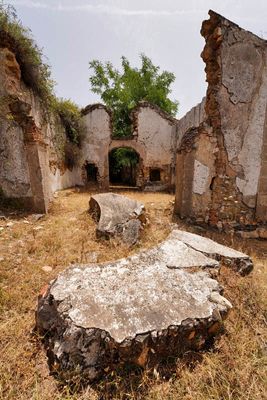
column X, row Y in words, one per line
column 221, row 164
column 215, row 156
column 32, row 166
column 153, row 138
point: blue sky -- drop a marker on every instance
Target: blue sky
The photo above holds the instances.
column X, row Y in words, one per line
column 73, row 32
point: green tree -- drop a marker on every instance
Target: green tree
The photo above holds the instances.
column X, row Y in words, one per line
column 122, row 90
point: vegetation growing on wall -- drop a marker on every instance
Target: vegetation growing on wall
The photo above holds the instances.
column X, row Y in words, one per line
column 122, row 90
column 35, row 72
column 68, row 144
column 70, row 115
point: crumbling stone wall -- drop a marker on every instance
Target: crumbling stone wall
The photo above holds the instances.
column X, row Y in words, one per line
column 153, row 138
column 29, row 167
column 32, row 166
column 192, row 119
column 235, row 190
column 95, row 146
column 156, row 132
column 195, row 167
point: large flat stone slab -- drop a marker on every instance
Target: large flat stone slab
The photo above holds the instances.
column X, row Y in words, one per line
column 117, row 214
column 158, row 303
column 241, row 262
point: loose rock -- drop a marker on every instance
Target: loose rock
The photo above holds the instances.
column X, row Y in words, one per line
column 241, row 262
column 131, row 231
column 47, row 268
column 37, row 217
column 117, row 215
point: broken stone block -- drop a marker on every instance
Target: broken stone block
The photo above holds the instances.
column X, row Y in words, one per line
column 131, row 231
column 117, row 214
column 139, row 310
column 240, row 262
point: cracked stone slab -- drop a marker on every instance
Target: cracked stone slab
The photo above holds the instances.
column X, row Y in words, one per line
column 115, row 215
column 139, row 310
column 241, row 262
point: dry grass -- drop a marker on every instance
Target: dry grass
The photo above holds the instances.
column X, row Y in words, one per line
column 234, row 369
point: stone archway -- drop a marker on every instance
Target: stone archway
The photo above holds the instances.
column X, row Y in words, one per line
column 133, row 175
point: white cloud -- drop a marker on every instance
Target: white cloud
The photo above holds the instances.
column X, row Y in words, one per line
column 103, row 9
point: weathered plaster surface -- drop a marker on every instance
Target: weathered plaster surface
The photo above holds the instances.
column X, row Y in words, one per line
column 27, row 135
column 201, row 177
column 195, row 171
column 96, row 141
column 157, row 135
column 244, row 75
column 14, row 173
column 137, row 303
column 59, row 180
column 153, row 138
column 235, row 115
column 191, row 119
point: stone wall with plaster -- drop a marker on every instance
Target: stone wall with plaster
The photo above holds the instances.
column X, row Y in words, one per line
column 153, row 138
column 235, row 109
column 30, row 169
column 195, row 165
column 33, row 142
column 155, row 131
column 95, row 146
column 192, row 119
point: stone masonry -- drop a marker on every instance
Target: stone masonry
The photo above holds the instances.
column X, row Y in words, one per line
column 221, row 163
column 30, row 170
column 215, row 156
column 154, row 135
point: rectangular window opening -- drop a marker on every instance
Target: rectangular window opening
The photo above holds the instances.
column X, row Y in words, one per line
column 154, row 174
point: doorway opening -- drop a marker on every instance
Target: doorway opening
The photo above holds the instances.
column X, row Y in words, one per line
column 91, row 172
column 123, row 166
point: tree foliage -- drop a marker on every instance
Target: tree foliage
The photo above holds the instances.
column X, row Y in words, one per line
column 122, row 90
column 122, row 165
column 124, row 157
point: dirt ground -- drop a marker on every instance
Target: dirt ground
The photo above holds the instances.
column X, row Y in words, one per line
column 33, row 251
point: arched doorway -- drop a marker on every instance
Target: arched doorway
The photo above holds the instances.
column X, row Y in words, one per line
column 124, row 166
